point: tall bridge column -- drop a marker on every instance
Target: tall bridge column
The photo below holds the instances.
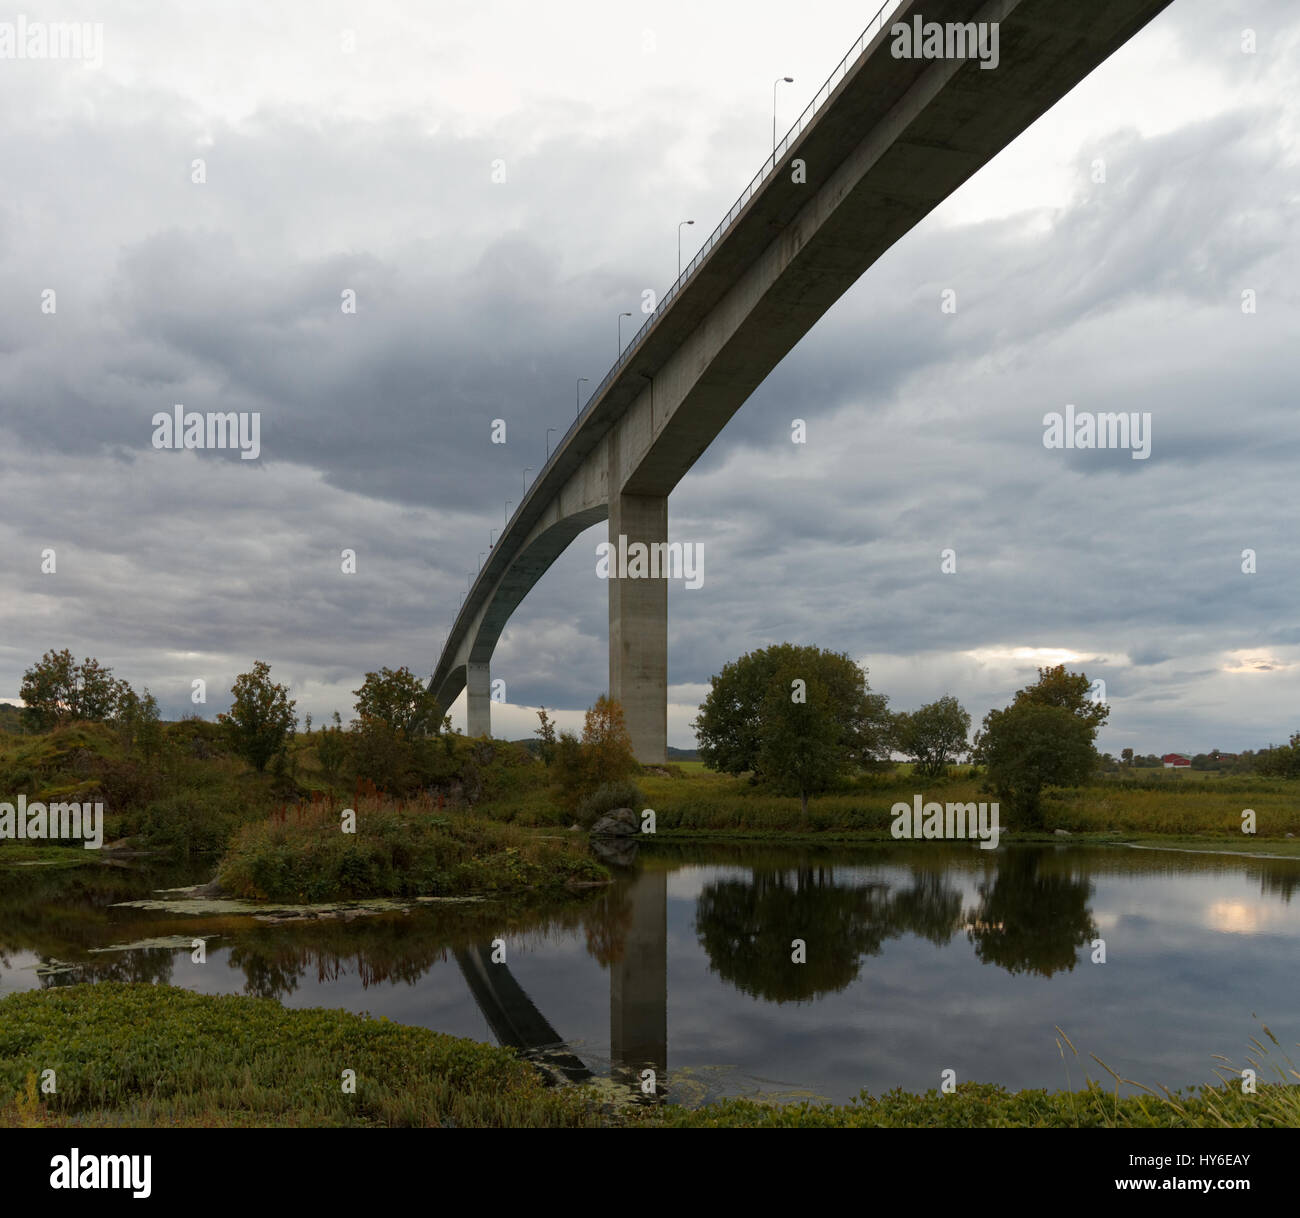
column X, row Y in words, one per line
column 638, row 627
column 478, row 700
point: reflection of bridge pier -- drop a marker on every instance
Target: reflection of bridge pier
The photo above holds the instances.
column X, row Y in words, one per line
column 638, row 995
column 638, row 986
column 513, row 1016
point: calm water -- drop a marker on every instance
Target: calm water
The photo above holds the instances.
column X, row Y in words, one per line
column 919, row 959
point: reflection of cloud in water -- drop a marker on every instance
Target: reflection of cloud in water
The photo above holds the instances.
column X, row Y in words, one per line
column 1243, row 917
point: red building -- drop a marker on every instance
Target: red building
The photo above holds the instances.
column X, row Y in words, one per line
column 1176, row 761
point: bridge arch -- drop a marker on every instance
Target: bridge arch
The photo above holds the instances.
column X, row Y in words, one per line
column 883, row 143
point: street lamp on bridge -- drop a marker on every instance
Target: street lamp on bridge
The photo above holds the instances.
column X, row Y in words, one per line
column 577, row 396
column 548, row 441
column 679, row 247
column 528, row 469
column 789, row 80
column 620, row 332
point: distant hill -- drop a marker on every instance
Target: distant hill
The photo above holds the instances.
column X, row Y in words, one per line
column 10, row 717
column 673, row 754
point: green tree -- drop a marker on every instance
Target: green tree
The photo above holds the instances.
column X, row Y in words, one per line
column 1030, row 746
column 1069, row 690
column 331, row 748
column 148, row 726
column 729, row 728
column 260, row 721
column 1281, row 761
column 1126, row 756
column 398, row 699
column 569, row 769
column 1026, row 749
column 800, row 748
column 59, row 690
column 933, row 736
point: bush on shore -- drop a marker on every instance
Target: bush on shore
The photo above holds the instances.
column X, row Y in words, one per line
column 397, row 850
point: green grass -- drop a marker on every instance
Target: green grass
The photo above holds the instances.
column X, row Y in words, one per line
column 702, row 802
column 128, row 1055
column 132, row 1055
column 987, row 1106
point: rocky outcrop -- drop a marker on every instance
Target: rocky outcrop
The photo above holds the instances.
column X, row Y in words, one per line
column 621, row 822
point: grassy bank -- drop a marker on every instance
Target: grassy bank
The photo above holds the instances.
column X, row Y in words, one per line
column 199, row 1060
column 403, row 849
column 1179, row 808
column 216, row 1061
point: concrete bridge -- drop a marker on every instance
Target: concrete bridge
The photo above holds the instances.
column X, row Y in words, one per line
column 884, row 142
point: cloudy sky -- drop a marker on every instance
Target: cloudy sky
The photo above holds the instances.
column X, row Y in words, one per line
column 352, row 147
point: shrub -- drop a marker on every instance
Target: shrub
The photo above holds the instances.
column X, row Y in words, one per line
column 607, row 797
column 404, row 849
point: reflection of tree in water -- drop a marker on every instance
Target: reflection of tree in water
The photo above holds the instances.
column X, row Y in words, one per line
column 146, row 965
column 931, row 908
column 1031, row 920
column 1283, row 880
column 606, row 924
column 270, row 970
column 746, row 928
column 396, row 948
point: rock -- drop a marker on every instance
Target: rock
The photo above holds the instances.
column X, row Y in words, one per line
column 621, row 822
column 1290, row 835
column 209, row 891
column 1062, row 833
column 575, row 827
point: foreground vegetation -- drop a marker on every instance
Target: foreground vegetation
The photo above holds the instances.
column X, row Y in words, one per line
column 199, row 1060
column 215, row 1061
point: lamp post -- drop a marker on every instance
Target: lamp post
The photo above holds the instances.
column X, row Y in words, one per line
column 507, row 514
column 491, row 539
column 528, row 469
column 789, row 80
column 548, row 441
column 577, row 396
column 481, row 557
column 679, row 247
column 620, row 333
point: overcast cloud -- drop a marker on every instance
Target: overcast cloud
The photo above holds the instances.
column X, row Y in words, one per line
column 372, row 170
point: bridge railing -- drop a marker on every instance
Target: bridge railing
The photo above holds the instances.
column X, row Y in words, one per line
column 769, row 166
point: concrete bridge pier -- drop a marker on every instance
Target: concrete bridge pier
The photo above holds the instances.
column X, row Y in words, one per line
column 638, row 627
column 478, row 700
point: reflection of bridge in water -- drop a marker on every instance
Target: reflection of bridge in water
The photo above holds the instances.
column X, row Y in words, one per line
column 638, row 997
